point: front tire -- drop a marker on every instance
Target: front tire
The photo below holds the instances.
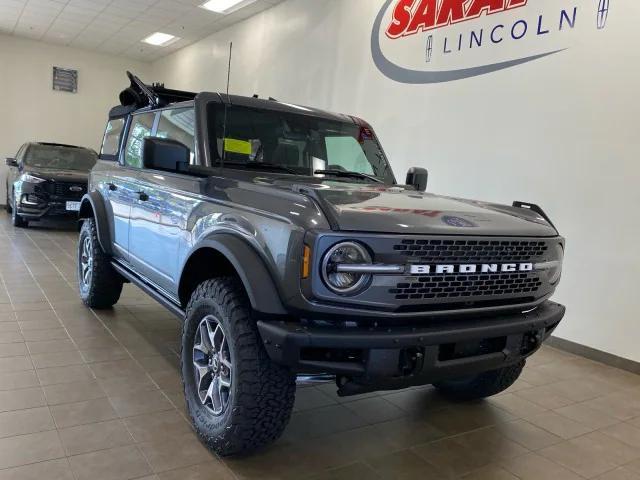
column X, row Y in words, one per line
column 483, row 385
column 17, row 220
column 238, row 399
column 99, row 284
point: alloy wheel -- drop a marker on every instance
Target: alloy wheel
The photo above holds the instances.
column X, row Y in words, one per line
column 212, row 365
column 86, row 262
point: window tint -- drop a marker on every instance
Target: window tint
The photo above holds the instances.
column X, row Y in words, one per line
column 179, row 124
column 111, row 139
column 141, row 126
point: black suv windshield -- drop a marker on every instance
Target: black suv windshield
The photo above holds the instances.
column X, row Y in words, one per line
column 63, row 158
column 298, row 144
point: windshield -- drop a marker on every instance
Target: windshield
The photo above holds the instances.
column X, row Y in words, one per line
column 297, row 143
column 63, row 158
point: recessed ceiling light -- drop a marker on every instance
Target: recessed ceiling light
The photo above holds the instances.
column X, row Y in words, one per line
column 160, row 39
column 225, row 6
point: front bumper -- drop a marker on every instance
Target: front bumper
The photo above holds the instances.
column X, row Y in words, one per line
column 385, row 358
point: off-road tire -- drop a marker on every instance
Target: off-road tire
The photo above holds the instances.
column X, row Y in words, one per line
column 262, row 393
column 482, row 385
column 105, row 286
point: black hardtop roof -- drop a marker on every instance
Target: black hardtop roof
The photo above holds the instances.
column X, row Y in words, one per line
column 142, row 97
column 63, row 145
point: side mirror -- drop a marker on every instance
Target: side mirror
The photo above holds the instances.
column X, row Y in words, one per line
column 165, row 154
column 418, row 178
column 11, row 162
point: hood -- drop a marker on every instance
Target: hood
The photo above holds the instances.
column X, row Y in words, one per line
column 58, row 175
column 397, row 209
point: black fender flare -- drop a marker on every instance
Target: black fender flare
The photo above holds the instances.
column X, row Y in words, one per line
column 259, row 283
column 92, row 205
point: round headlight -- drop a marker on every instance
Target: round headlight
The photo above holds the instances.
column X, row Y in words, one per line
column 345, row 253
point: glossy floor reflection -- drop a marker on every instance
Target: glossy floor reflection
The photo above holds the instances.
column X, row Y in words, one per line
column 97, row 395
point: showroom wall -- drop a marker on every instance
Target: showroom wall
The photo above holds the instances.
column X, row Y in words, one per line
column 42, row 114
column 560, row 130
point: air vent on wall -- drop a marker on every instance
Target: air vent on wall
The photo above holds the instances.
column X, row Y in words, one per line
column 65, row 79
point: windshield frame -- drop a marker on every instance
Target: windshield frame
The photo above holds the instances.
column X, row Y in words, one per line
column 27, row 162
column 209, row 158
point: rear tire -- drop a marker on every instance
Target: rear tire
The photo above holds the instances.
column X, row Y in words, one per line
column 99, row 284
column 483, row 385
column 254, row 396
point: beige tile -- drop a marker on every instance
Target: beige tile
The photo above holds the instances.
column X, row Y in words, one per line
column 587, row 416
column 154, row 426
column 113, row 352
column 79, row 413
column 21, row 399
column 58, row 359
column 175, row 452
column 117, row 386
column 310, row 398
column 95, row 436
column 68, row 374
column 490, row 472
column 545, row 396
column 15, row 364
column 581, row 389
column 527, row 434
column 45, row 335
column 73, row 392
column 116, row 368
column 14, row 380
column 626, row 433
column 203, row 471
column 465, row 417
column 559, row 425
column 10, row 337
column 623, row 405
column 51, row 346
column 137, row 404
column 349, row 472
column 13, row 350
column 375, row 410
column 39, row 325
column 120, row 463
column 404, row 465
column 20, row 422
column 517, row 406
column 49, row 470
column 592, row 454
column 491, row 444
column 621, row 473
column 322, row 421
column 450, row 458
column 537, row 467
column 31, row 448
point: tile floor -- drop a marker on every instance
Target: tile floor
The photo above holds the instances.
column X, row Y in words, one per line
column 97, row 396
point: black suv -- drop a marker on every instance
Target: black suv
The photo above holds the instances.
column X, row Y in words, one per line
column 47, row 179
column 281, row 237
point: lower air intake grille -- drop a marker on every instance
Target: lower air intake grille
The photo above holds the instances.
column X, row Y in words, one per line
column 468, row 285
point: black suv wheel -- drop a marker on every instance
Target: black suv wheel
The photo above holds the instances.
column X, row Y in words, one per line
column 17, row 220
column 482, row 385
column 237, row 398
column 99, row 284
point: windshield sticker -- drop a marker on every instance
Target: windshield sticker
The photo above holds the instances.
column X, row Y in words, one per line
column 232, row 145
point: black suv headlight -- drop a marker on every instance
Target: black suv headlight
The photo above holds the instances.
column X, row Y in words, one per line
column 336, row 272
column 553, row 268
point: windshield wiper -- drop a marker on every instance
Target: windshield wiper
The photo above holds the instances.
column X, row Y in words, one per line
column 346, row 173
column 261, row 166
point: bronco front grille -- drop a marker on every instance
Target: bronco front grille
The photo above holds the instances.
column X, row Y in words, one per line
column 460, row 286
column 471, row 251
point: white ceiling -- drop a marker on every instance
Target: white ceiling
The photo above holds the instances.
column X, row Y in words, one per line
column 118, row 26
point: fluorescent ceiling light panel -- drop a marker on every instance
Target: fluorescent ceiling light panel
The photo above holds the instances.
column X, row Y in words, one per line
column 160, row 39
column 225, row 6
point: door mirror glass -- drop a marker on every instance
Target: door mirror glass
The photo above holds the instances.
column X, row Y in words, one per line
column 11, row 162
column 418, row 178
column 165, row 154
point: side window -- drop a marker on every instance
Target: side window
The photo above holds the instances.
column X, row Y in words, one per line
column 179, row 124
column 141, row 126
column 20, row 153
column 346, row 153
column 111, row 139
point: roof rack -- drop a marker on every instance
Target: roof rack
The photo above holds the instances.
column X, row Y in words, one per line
column 140, row 95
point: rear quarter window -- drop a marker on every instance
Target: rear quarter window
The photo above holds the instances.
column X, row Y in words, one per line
column 111, row 140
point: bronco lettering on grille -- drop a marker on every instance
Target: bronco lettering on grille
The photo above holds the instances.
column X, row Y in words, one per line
column 462, row 268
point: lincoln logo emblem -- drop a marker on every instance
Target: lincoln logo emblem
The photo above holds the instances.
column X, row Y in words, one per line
column 603, row 13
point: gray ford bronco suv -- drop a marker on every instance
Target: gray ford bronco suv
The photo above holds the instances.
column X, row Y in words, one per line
column 281, row 237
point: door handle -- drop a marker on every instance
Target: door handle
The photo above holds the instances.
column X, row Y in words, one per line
column 143, row 196
column 112, row 187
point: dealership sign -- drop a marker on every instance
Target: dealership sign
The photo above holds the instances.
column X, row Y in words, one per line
column 434, row 41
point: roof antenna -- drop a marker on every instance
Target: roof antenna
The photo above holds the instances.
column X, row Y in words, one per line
column 224, row 127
